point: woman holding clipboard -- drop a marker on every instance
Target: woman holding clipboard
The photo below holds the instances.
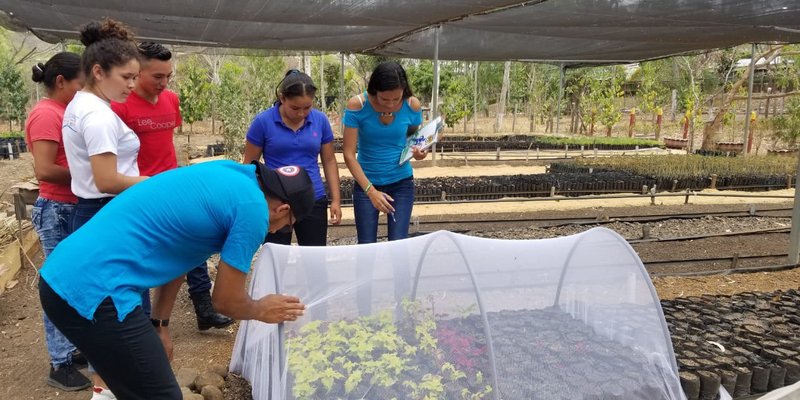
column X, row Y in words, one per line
column 377, row 125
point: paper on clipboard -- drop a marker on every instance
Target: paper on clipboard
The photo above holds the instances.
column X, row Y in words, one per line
column 424, row 138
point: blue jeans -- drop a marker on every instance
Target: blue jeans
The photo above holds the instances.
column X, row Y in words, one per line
column 51, row 218
column 366, row 215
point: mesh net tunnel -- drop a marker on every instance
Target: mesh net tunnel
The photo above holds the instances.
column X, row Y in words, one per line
column 451, row 316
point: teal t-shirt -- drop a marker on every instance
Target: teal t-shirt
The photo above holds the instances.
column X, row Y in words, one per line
column 379, row 145
column 156, row 231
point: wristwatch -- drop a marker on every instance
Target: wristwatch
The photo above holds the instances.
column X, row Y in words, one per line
column 159, row 322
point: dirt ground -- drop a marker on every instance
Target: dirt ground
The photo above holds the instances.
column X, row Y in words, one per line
column 24, row 361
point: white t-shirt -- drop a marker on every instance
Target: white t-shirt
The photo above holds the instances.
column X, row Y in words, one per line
column 90, row 127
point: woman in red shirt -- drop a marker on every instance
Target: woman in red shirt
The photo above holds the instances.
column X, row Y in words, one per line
column 62, row 78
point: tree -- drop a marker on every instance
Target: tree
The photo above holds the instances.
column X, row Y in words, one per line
column 456, row 99
column 262, row 74
column 786, row 127
column 194, row 90
column 501, row 103
column 603, row 88
column 711, row 130
column 653, row 91
column 234, row 108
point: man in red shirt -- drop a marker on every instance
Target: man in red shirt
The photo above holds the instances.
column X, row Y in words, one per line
column 153, row 112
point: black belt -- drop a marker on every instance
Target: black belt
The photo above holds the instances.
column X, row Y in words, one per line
column 102, row 200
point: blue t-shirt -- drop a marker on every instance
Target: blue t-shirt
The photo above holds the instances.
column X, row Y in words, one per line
column 282, row 146
column 379, row 145
column 156, row 231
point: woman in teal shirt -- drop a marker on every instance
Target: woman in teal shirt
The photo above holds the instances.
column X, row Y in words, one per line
column 377, row 125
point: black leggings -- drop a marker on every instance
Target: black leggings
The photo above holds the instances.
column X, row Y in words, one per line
column 128, row 354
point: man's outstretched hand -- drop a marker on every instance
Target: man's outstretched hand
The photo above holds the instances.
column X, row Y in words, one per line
column 277, row 308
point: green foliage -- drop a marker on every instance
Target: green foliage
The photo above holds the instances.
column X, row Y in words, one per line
column 233, row 108
column 786, row 127
column 356, row 356
column 596, row 141
column 692, row 166
column 194, row 90
column 653, row 91
column 603, row 87
column 262, row 76
column 12, row 135
column 13, row 95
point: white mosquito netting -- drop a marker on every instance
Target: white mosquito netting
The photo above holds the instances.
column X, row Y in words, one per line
column 448, row 316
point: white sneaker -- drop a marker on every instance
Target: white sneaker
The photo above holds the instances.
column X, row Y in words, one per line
column 99, row 393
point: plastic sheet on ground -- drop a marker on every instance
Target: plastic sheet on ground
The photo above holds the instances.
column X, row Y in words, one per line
column 448, row 316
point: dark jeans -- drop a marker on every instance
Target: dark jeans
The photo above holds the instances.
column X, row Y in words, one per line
column 366, row 215
column 84, row 211
column 128, row 354
column 198, row 280
column 311, row 231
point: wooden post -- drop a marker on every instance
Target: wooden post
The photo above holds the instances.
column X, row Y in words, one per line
column 752, row 131
column 686, row 118
column 659, row 116
column 713, row 181
column 631, row 122
column 552, row 191
column 514, row 120
column 497, row 156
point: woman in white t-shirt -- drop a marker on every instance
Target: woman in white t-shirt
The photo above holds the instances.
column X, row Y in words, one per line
column 101, row 150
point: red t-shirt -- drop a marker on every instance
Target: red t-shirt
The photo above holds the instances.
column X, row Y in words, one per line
column 44, row 123
column 154, row 124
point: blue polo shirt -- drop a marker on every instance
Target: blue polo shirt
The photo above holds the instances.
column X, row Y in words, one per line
column 379, row 146
column 282, row 146
column 156, row 231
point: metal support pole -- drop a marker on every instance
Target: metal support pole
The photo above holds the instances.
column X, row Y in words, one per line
column 751, row 72
column 794, row 236
column 342, row 98
column 474, row 101
column 324, row 103
column 435, row 95
column 560, row 92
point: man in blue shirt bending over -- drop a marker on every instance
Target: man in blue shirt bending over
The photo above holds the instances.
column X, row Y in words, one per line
column 150, row 236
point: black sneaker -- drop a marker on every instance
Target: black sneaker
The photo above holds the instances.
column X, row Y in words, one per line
column 79, row 360
column 66, row 377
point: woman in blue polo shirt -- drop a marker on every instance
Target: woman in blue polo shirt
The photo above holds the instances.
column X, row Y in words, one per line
column 292, row 132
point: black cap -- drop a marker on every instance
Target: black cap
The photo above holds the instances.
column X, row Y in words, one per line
column 289, row 184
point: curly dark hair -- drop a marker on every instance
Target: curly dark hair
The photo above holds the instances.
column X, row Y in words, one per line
column 108, row 43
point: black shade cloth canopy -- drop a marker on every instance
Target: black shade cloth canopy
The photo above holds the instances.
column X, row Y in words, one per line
column 568, row 31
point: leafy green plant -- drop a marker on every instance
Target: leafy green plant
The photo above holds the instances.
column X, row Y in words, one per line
column 598, row 141
column 357, row 358
column 690, row 166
